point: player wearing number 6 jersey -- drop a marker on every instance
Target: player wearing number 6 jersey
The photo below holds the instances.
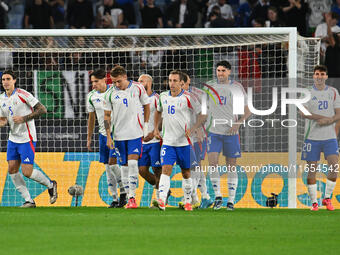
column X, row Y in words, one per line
column 19, row 108
column 177, row 108
column 123, row 100
column 320, row 135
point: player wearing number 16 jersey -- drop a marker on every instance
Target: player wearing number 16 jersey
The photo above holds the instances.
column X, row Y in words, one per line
column 320, row 135
column 177, row 108
column 123, row 100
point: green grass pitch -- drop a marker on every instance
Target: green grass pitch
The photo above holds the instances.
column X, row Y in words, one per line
column 149, row 231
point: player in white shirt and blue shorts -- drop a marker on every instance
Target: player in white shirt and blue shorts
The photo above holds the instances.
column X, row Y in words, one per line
column 151, row 145
column 123, row 101
column 95, row 100
column 320, row 136
column 177, row 108
column 224, row 137
column 19, row 108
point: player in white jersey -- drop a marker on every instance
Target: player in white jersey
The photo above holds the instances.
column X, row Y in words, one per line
column 108, row 157
column 123, row 100
column 199, row 140
column 176, row 107
column 320, row 135
column 151, row 145
column 224, row 137
column 19, row 108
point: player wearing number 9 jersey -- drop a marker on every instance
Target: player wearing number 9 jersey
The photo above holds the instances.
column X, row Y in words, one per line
column 320, row 136
column 123, row 100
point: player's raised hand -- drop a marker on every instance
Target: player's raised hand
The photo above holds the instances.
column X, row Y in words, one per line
column 157, row 134
column 89, row 145
column 18, row 119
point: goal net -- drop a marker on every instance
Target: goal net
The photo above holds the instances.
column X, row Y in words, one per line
column 55, row 65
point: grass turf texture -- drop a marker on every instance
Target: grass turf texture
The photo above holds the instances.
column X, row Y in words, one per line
column 150, row 231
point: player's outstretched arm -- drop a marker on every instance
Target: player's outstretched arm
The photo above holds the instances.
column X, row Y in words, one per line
column 90, row 127
column 3, row 121
column 38, row 110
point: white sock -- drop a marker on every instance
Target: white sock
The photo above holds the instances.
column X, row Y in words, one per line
column 329, row 188
column 111, row 182
column 164, row 186
column 133, row 177
column 202, row 186
column 232, row 185
column 117, row 172
column 187, row 189
column 125, row 178
column 41, row 178
column 195, row 178
column 312, row 192
column 215, row 180
column 20, row 186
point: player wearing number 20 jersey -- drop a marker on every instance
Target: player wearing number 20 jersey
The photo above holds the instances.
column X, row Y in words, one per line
column 320, row 136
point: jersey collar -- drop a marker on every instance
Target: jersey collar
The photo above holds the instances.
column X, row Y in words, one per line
column 12, row 93
column 153, row 93
column 315, row 88
column 180, row 93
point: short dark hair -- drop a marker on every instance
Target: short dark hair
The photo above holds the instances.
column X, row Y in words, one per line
column 321, row 68
column 185, row 76
column 181, row 75
column 117, row 71
column 224, row 63
column 11, row 73
column 98, row 73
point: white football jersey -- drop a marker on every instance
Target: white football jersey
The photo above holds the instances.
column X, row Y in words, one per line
column 220, row 106
column 95, row 101
column 124, row 105
column 322, row 102
column 177, row 113
column 20, row 103
column 153, row 106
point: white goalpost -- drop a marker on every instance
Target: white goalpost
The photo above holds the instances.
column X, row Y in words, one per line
column 54, row 65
